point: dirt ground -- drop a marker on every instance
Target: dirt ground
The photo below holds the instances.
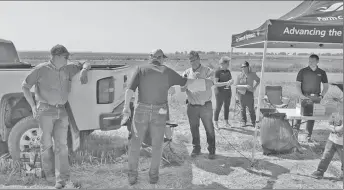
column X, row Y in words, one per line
column 231, row 169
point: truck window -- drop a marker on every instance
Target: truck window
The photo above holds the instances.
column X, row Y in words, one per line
column 8, row 53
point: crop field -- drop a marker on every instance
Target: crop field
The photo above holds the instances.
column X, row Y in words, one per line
column 102, row 160
column 273, row 63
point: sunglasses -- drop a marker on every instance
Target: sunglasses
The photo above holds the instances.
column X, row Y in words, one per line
column 225, row 62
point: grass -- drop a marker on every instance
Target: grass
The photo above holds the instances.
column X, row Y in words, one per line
column 102, row 162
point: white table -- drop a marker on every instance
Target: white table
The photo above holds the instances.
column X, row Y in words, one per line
column 291, row 114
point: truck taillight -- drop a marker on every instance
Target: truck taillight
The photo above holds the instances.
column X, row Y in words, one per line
column 105, row 90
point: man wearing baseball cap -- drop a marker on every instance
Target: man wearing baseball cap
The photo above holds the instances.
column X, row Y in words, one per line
column 200, row 105
column 245, row 92
column 153, row 82
column 52, row 81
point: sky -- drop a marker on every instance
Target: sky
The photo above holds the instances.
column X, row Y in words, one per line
column 133, row 26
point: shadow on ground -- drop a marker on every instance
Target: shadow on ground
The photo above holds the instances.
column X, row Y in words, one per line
column 223, row 165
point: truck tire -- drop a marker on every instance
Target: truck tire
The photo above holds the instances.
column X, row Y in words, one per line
column 22, row 135
column 3, row 148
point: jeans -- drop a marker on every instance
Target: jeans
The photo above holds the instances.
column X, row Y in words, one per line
column 54, row 124
column 330, row 149
column 309, row 126
column 205, row 113
column 223, row 98
column 247, row 100
column 152, row 118
column 147, row 139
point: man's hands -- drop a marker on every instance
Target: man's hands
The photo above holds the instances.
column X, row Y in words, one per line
column 83, row 76
column 197, row 75
column 34, row 111
column 303, row 97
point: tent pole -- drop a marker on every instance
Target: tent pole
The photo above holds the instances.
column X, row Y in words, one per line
column 232, row 49
column 230, row 68
column 259, row 100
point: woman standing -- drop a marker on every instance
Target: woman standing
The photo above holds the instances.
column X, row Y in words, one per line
column 223, row 92
column 245, row 92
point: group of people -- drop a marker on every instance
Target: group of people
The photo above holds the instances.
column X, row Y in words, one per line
column 52, row 81
column 154, row 80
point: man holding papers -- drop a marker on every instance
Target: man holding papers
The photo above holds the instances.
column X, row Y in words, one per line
column 199, row 104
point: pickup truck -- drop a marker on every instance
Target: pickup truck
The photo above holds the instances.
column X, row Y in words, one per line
column 96, row 105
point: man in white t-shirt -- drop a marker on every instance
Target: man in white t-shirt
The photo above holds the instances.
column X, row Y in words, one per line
column 334, row 144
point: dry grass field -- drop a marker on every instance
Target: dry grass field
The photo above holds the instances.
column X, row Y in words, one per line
column 102, row 162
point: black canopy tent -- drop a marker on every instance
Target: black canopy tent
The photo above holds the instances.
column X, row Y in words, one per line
column 312, row 25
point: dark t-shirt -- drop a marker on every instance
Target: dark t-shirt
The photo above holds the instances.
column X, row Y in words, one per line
column 153, row 82
column 223, row 76
column 311, row 80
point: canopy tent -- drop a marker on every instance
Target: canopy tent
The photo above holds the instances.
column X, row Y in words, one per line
column 312, row 24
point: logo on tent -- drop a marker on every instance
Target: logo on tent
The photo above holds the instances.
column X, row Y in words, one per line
column 333, row 7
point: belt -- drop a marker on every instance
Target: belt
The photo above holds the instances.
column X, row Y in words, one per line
column 311, row 94
column 56, row 105
column 200, row 104
column 151, row 105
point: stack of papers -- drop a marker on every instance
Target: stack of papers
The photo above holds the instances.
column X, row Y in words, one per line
column 197, row 85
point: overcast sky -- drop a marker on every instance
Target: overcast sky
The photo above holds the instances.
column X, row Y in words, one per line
column 137, row 27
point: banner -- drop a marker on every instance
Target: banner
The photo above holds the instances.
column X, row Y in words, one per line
column 304, row 32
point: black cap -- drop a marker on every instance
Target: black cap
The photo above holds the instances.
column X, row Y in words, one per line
column 245, row 64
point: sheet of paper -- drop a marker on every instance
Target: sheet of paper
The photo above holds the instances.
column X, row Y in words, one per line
column 197, row 85
column 179, row 95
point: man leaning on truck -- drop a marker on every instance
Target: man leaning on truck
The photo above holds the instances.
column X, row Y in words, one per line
column 52, row 82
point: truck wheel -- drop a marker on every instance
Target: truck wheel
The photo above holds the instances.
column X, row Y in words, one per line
column 23, row 135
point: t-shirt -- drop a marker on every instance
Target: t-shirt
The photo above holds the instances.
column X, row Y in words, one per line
column 153, row 81
column 311, row 80
column 223, row 76
column 246, row 79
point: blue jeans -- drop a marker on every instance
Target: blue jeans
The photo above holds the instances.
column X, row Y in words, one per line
column 205, row 113
column 330, row 149
column 247, row 100
column 54, row 123
column 152, row 118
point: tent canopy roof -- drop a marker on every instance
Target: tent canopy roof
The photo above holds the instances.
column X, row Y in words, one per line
column 312, row 24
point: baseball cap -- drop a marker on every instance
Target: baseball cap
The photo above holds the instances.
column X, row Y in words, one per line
column 59, row 50
column 224, row 59
column 193, row 55
column 157, row 53
column 245, row 64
